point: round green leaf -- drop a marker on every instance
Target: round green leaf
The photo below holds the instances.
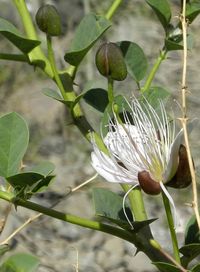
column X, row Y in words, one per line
column 88, row 32
column 97, row 98
column 20, row 262
column 14, row 137
column 135, row 60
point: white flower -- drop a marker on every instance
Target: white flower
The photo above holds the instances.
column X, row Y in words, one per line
column 144, row 150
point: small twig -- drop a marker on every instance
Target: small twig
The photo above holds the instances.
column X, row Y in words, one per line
column 31, row 219
column 3, row 221
column 184, row 118
column 84, row 183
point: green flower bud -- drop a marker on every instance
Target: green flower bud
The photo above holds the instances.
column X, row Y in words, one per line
column 48, row 20
column 110, row 62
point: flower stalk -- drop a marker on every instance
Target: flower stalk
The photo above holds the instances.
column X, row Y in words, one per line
column 113, row 8
column 171, row 227
column 110, row 90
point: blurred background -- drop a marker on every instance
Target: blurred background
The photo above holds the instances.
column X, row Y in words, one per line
column 53, row 138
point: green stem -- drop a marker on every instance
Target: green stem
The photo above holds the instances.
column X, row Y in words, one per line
column 136, row 202
column 110, row 89
column 36, row 56
column 14, row 57
column 171, row 227
column 154, row 70
column 113, row 9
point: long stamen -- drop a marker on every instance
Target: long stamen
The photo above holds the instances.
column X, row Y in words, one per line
column 124, row 202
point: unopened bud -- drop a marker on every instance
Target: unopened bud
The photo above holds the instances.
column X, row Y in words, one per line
column 48, row 20
column 110, row 62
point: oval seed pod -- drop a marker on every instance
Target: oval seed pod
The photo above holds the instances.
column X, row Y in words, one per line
column 148, row 185
column 48, row 20
column 182, row 178
column 110, row 62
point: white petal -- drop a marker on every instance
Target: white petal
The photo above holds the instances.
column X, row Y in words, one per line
column 173, row 158
column 107, row 169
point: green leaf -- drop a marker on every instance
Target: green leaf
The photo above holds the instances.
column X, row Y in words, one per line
column 122, row 104
column 88, row 32
column 97, row 98
column 162, row 10
column 42, row 184
column 192, row 234
column 176, row 43
column 31, row 181
column 4, row 249
column 20, row 262
column 135, row 60
column 156, row 94
column 10, row 32
column 24, row 179
column 190, row 250
column 108, row 204
column 192, row 10
column 44, row 168
column 14, row 137
column 173, row 45
column 54, row 94
column 165, row 267
column 196, row 268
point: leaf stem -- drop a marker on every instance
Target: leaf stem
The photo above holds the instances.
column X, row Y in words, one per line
column 113, row 9
column 153, row 71
column 171, row 227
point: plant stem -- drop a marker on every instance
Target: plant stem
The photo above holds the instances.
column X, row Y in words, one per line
column 36, row 56
column 136, row 202
column 110, row 90
column 113, row 9
column 171, row 227
column 154, row 70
